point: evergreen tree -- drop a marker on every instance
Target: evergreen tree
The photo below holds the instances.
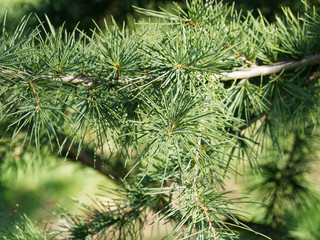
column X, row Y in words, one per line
column 180, row 102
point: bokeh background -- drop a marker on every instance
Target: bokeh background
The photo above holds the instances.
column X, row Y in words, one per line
column 38, row 188
column 84, row 12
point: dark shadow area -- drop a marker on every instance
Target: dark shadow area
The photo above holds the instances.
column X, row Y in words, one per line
column 86, row 12
column 74, row 12
column 271, row 8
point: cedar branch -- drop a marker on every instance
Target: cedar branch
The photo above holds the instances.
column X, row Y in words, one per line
column 254, row 71
column 267, row 69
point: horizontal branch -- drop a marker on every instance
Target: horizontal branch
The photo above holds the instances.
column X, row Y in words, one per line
column 265, row 114
column 75, row 80
column 254, row 71
column 267, row 69
column 68, row 78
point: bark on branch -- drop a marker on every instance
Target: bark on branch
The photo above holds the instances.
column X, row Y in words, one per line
column 266, row 69
column 254, row 71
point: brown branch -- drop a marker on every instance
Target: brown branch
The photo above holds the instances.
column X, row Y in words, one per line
column 205, row 212
column 247, row 61
column 265, row 114
column 73, row 80
column 255, row 71
column 266, row 69
column 72, row 153
column 36, row 96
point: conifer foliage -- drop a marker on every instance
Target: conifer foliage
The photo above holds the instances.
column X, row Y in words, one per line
column 181, row 101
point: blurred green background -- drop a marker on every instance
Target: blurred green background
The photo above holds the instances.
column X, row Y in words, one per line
column 84, row 12
column 39, row 187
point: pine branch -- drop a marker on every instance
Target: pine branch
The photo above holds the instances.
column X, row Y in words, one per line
column 254, row 71
column 262, row 115
column 267, row 69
